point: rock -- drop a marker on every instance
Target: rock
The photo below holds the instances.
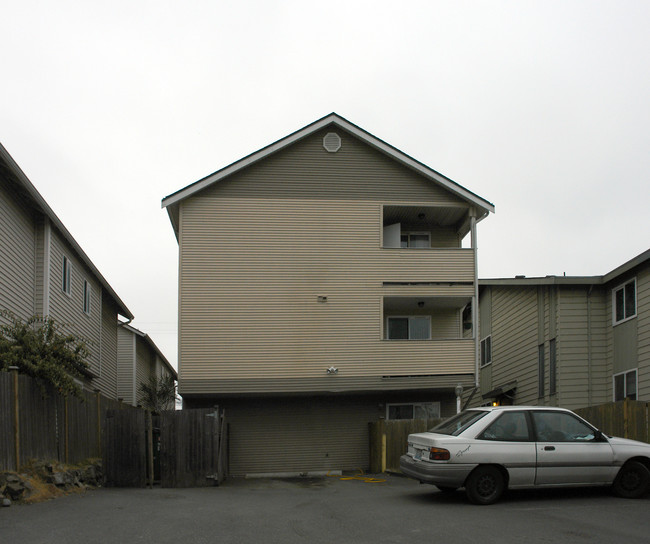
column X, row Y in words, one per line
column 14, row 491
column 6, row 502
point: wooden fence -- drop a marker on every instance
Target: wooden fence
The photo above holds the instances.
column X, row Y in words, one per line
column 388, row 441
column 42, row 424
column 626, row 418
column 189, row 445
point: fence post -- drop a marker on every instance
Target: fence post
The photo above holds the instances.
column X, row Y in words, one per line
column 14, row 371
column 626, row 404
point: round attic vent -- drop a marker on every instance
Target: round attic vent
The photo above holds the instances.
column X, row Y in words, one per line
column 332, row 142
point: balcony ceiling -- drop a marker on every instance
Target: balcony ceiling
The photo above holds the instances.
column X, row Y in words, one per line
column 410, row 304
column 441, row 216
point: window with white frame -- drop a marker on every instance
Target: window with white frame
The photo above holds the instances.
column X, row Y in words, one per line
column 625, row 385
column 409, row 328
column 486, row 350
column 86, row 299
column 415, row 239
column 65, row 282
column 624, row 302
column 413, row 410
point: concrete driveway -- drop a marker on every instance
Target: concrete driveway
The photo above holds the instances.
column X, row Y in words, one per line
column 325, row 510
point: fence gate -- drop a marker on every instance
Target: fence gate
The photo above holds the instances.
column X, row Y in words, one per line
column 125, row 460
column 192, row 448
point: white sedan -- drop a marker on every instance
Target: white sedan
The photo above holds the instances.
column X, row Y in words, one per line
column 488, row 450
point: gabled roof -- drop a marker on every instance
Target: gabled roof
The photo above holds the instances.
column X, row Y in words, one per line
column 572, row 280
column 28, row 191
column 153, row 346
column 171, row 202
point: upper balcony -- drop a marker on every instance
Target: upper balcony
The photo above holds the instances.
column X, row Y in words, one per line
column 426, row 227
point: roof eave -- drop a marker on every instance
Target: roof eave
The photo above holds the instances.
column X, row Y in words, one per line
column 332, row 119
column 40, row 203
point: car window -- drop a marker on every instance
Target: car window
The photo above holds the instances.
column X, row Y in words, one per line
column 457, row 424
column 509, row 427
column 561, row 427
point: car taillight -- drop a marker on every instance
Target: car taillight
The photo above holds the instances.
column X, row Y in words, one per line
column 439, row 454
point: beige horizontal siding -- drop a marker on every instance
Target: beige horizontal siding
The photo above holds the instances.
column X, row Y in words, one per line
column 355, row 172
column 514, row 341
column 581, row 347
column 67, row 309
column 107, row 380
column 126, row 366
column 17, row 254
column 643, row 312
column 259, row 248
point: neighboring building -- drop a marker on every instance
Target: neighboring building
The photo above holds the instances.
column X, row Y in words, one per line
column 566, row 341
column 138, row 360
column 323, row 284
column 44, row 271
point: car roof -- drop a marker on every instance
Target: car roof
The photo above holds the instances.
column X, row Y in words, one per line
column 510, row 408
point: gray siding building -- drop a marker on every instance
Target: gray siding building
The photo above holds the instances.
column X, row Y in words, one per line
column 566, row 341
column 44, row 271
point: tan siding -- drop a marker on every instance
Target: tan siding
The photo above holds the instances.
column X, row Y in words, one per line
column 125, row 365
column 355, row 172
column 144, row 363
column 643, row 327
column 299, row 435
column 514, row 341
column 68, row 309
column 17, row 254
column 582, row 370
column 107, row 349
column 251, row 272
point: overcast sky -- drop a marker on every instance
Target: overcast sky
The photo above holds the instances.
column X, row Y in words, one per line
column 542, row 108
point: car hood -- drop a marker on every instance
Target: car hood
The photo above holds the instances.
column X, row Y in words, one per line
column 626, row 442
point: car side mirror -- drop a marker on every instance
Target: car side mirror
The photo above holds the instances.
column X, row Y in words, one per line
column 598, row 436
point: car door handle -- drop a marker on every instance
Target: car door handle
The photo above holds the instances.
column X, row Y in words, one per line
column 549, row 448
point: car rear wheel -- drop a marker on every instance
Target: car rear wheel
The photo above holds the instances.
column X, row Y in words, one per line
column 485, row 485
column 632, row 481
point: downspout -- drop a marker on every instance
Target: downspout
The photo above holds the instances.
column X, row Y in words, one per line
column 475, row 301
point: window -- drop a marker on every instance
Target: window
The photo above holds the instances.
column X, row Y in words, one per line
column 552, row 371
column 540, row 371
column 625, row 385
column 458, row 423
column 409, row 328
column 87, row 292
column 624, row 302
column 415, row 410
column 561, row 427
column 65, row 283
column 415, row 239
column 486, row 350
column 510, row 427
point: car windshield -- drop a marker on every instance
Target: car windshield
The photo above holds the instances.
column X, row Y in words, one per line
column 457, row 424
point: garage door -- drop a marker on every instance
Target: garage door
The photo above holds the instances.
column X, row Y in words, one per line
column 294, row 436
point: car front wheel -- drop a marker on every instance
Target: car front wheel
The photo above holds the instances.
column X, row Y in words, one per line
column 632, row 481
column 485, row 485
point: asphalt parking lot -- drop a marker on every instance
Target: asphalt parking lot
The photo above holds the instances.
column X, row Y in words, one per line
column 325, row 510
